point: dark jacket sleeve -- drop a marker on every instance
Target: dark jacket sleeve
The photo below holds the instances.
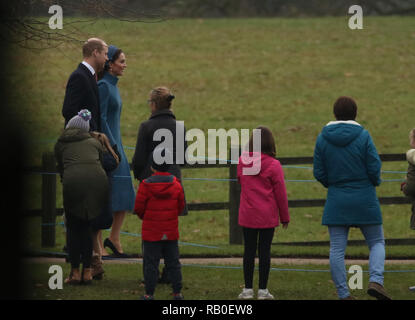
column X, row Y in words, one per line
column 185, row 147
column 141, row 155
column 180, row 200
column 319, row 168
column 74, row 95
column 180, row 156
column 59, row 160
column 409, row 188
column 373, row 163
column 101, row 150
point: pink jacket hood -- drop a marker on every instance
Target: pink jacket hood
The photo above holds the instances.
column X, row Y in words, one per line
column 263, row 202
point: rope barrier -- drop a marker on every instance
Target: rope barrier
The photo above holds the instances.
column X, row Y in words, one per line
column 284, row 166
column 285, row 269
column 236, row 162
column 208, row 179
column 211, row 179
column 180, row 242
column 272, row 269
column 139, row 236
column 296, row 167
column 227, row 267
column 389, row 171
column 129, row 177
column 214, row 159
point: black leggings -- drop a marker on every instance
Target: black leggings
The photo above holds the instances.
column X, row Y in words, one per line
column 264, row 253
column 79, row 237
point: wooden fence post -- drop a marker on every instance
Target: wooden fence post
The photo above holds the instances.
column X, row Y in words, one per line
column 235, row 231
column 48, row 200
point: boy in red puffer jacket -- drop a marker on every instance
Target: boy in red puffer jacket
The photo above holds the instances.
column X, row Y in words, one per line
column 159, row 200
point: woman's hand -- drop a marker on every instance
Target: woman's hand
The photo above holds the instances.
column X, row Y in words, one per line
column 285, row 225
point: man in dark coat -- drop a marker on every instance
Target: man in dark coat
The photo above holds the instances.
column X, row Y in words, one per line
column 81, row 89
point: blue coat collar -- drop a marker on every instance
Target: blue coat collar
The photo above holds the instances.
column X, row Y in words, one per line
column 110, row 78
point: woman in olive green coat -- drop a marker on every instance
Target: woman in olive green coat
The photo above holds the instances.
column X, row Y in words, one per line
column 85, row 190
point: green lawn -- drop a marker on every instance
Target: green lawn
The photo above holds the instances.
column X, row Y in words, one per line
column 213, row 282
column 240, row 73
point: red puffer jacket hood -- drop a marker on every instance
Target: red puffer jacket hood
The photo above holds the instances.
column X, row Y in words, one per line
column 159, row 201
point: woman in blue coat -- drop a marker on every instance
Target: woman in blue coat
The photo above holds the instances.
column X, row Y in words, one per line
column 347, row 163
column 122, row 194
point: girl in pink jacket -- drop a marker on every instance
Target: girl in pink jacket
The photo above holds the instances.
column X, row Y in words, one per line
column 263, row 204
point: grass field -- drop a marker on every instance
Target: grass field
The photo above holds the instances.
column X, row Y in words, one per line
column 122, row 282
column 241, row 73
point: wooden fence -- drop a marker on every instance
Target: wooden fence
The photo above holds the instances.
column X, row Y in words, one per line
column 48, row 211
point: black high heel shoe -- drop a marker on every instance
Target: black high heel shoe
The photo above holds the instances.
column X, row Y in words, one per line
column 108, row 243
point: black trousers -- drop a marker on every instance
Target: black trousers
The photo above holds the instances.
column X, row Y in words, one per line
column 79, row 237
column 252, row 238
column 164, row 276
column 153, row 252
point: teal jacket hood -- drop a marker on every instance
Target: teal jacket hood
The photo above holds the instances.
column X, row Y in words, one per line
column 341, row 133
column 346, row 162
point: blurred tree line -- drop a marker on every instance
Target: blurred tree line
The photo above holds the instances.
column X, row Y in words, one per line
column 22, row 22
column 225, row 8
column 285, row 8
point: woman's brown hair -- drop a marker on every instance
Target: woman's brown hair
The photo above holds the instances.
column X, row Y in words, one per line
column 345, row 108
column 101, row 137
column 116, row 55
column 267, row 142
column 162, row 97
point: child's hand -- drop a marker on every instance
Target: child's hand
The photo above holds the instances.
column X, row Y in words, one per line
column 403, row 185
column 285, row 225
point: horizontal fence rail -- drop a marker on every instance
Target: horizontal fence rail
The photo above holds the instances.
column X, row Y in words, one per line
column 49, row 212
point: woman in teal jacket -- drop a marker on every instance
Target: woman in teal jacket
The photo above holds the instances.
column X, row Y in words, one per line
column 347, row 163
column 122, row 191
